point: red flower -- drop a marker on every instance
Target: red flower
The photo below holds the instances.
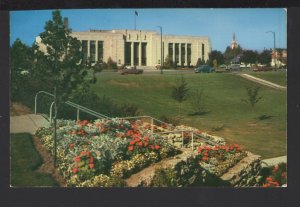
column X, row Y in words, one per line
column 92, row 159
column 140, row 144
column 130, row 148
column 145, row 144
column 157, row 147
column 74, row 170
column 91, row 166
column 76, row 159
column 205, row 158
column 132, row 142
column 199, row 149
column 82, row 153
column 129, row 132
column 146, row 139
column 88, row 153
column 71, row 146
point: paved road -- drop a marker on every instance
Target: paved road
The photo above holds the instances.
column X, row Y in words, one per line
column 262, row 81
column 27, row 123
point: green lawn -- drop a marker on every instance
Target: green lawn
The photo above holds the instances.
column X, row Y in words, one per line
column 278, row 77
column 24, row 161
column 234, row 120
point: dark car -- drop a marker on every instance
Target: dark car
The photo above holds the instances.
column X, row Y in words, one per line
column 131, row 70
column 204, row 69
column 262, row 68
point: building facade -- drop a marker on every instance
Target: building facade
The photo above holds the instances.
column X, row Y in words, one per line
column 141, row 48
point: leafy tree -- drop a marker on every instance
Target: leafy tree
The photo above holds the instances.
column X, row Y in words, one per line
column 21, row 63
column 232, row 53
column 252, row 96
column 249, row 56
column 59, row 65
column 265, row 57
column 216, row 55
column 111, row 64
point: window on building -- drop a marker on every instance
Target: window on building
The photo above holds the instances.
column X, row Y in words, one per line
column 144, row 53
column 176, row 53
column 92, row 51
column 136, row 53
column 203, row 52
column 100, row 52
column 189, row 54
column 128, row 53
column 170, row 52
column 84, row 50
column 182, row 56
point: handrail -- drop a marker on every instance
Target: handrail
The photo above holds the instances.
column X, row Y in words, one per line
column 79, row 107
column 35, row 99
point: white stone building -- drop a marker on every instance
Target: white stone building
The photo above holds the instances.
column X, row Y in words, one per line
column 141, row 48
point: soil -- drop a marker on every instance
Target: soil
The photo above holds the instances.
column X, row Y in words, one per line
column 48, row 164
column 17, row 109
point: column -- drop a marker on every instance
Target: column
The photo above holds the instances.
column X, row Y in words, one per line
column 132, row 53
column 96, row 45
column 140, row 53
column 185, row 58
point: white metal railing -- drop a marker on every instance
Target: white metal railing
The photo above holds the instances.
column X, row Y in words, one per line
column 77, row 106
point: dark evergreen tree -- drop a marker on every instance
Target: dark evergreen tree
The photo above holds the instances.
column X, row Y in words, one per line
column 249, row 56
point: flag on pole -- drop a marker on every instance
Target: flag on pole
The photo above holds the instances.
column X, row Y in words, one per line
column 136, row 13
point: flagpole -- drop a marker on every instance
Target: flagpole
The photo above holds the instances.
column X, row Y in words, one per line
column 134, row 20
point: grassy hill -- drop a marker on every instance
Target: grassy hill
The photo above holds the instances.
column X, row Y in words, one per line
column 262, row 130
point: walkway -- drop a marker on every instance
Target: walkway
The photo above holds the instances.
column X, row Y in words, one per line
column 27, row 123
column 262, row 81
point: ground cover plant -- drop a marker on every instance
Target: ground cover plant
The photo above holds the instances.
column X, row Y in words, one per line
column 225, row 111
column 25, row 160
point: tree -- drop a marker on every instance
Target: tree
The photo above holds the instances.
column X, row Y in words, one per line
column 265, row 57
column 252, row 96
column 180, row 92
column 21, row 63
column 198, row 102
column 249, row 56
column 168, row 64
column 60, row 65
column 232, row 53
column 216, row 55
column 200, row 62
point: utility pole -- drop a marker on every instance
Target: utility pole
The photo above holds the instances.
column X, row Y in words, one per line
column 274, row 48
column 161, row 51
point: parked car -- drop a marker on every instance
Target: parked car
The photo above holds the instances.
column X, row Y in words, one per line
column 131, row 70
column 204, row 69
column 262, row 68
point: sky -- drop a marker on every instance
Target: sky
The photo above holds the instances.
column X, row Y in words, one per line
column 249, row 25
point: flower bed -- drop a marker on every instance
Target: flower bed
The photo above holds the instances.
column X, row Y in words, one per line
column 103, row 152
column 275, row 176
column 106, row 152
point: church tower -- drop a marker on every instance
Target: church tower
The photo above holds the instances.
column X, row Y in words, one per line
column 234, row 43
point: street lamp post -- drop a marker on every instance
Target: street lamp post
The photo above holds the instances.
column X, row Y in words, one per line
column 161, row 51
column 275, row 56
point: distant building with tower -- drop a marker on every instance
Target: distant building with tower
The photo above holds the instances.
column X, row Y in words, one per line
column 234, row 43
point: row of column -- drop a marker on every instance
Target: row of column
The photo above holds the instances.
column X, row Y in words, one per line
column 139, row 53
column 174, row 55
